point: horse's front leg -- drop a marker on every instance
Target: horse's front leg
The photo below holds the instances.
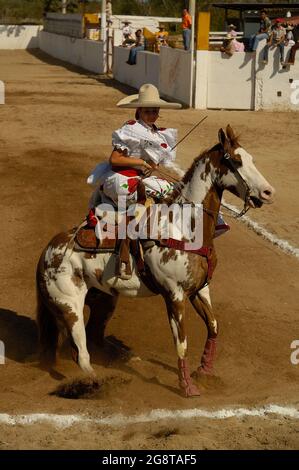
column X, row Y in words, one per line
column 202, row 304
column 176, row 316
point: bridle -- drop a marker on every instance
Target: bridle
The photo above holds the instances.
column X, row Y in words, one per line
column 233, row 167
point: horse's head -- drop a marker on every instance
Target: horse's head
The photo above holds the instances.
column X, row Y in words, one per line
column 238, row 174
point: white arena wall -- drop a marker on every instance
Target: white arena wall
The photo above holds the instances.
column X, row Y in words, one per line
column 146, row 69
column 169, row 71
column 19, row 36
column 175, row 74
column 239, row 82
column 81, row 52
column 244, row 82
column 273, row 85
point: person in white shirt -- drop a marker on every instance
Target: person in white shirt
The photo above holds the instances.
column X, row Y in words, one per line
column 139, row 146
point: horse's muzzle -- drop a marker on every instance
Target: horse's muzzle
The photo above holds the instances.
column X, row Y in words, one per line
column 255, row 202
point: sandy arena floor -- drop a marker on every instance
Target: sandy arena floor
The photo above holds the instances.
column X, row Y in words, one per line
column 56, row 125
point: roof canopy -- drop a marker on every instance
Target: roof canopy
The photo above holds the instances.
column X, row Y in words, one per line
column 257, row 6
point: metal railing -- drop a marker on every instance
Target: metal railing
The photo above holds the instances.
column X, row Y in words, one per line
column 217, row 37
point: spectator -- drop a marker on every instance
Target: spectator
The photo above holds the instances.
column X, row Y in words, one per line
column 138, row 46
column 161, row 37
column 263, row 32
column 231, row 45
column 227, row 45
column 295, row 47
column 186, row 25
column 289, row 36
column 127, row 34
column 276, row 39
column 232, row 30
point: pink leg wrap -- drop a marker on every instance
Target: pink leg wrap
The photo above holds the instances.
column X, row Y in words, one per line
column 208, row 357
column 186, row 384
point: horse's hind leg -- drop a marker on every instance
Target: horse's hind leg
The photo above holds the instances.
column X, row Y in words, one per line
column 202, row 304
column 176, row 316
column 101, row 306
column 74, row 321
column 68, row 296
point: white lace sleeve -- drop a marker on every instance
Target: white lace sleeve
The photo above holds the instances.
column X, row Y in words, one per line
column 161, row 152
column 122, row 139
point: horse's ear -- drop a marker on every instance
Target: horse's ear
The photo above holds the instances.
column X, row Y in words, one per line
column 230, row 134
column 222, row 139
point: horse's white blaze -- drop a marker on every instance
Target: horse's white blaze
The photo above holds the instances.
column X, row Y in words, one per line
column 255, row 180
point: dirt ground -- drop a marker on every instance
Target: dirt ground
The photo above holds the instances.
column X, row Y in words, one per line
column 54, row 128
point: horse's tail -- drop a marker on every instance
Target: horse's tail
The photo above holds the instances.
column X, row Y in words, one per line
column 46, row 323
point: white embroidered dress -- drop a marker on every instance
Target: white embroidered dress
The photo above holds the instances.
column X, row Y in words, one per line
column 137, row 140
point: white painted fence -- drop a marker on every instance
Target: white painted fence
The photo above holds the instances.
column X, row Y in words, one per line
column 244, row 82
column 19, row 36
column 146, row 69
column 238, row 82
column 169, row 71
column 81, row 52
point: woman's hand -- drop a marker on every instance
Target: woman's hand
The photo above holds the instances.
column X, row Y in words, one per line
column 146, row 168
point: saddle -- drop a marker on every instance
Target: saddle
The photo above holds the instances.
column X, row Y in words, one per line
column 86, row 240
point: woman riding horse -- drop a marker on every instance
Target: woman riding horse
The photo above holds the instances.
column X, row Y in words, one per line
column 139, row 147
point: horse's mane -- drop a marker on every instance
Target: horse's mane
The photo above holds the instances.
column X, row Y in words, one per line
column 201, row 156
column 233, row 141
column 187, row 176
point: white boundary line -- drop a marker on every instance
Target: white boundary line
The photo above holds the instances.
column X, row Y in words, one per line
column 118, row 420
column 284, row 245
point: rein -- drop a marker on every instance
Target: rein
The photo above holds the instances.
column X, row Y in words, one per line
column 233, row 167
column 229, row 161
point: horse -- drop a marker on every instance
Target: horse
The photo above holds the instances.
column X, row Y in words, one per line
column 65, row 278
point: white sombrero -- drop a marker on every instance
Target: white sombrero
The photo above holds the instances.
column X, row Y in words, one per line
column 148, row 97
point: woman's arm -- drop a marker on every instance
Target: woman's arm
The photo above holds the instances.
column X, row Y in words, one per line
column 120, row 158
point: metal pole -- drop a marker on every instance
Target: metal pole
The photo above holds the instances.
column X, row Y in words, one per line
column 103, row 21
column 104, row 32
column 192, row 13
column 64, row 3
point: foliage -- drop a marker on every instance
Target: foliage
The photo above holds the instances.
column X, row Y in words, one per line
column 36, row 8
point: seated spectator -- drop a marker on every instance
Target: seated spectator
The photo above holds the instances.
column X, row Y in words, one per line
column 138, row 46
column 231, row 45
column 127, row 34
column 277, row 39
column 263, row 32
column 227, row 46
column 232, row 30
column 289, row 36
column 295, row 47
column 161, row 37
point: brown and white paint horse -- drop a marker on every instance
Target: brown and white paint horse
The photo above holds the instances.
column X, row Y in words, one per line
column 65, row 277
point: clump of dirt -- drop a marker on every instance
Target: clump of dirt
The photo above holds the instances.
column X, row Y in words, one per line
column 87, row 387
column 78, row 388
column 165, row 432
